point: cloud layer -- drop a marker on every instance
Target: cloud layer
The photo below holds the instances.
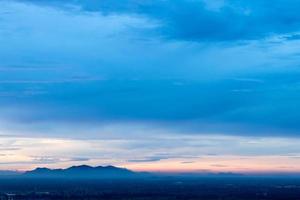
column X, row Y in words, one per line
column 92, row 69
column 152, row 61
column 198, row 20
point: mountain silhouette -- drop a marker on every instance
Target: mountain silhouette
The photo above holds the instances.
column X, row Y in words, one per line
column 82, row 171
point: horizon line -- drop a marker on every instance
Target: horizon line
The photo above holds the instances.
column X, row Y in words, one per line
column 178, row 172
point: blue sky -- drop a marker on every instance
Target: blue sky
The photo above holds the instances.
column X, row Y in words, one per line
column 101, row 70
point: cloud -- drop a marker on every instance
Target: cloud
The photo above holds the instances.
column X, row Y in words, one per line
column 227, row 106
column 149, row 83
column 216, row 20
column 186, row 152
column 187, row 162
column 219, row 165
column 79, row 159
column 156, row 64
column 55, row 160
column 145, row 160
column 45, row 160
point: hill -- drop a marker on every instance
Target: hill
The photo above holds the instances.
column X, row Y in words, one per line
column 82, row 171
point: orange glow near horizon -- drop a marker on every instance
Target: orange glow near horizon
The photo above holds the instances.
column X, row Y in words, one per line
column 246, row 165
column 29, row 153
column 234, row 164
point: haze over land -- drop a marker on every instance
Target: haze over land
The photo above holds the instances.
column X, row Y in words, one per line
column 161, row 86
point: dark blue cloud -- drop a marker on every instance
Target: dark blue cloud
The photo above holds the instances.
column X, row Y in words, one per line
column 195, row 21
column 261, row 104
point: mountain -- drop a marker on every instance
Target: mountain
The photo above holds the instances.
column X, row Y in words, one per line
column 82, row 171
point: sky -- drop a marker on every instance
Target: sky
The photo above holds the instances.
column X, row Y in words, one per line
column 152, row 85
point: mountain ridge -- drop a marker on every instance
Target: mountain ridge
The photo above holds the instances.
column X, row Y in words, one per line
column 82, row 171
column 104, row 172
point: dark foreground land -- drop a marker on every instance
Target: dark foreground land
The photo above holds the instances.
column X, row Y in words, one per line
column 164, row 188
